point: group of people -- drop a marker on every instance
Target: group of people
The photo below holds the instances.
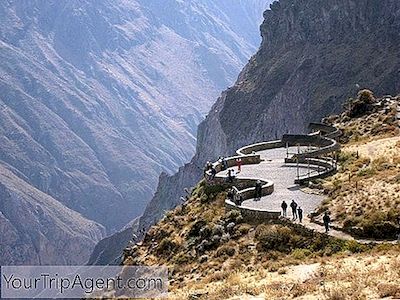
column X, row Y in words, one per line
column 235, row 197
column 210, row 171
column 297, row 213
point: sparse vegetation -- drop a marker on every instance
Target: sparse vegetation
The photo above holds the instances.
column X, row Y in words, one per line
column 364, row 196
column 213, row 254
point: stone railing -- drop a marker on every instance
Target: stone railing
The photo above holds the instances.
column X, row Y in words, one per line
column 259, row 147
column 251, row 159
column 322, row 144
column 326, row 130
column 253, row 215
column 325, row 168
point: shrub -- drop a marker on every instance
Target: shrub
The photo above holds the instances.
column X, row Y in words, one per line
column 362, row 105
column 212, row 190
column 274, row 237
column 367, row 172
column 228, row 249
column 233, row 216
column 182, row 258
column 244, row 229
column 300, row 254
column 166, row 246
column 366, row 96
column 196, row 227
column 355, row 247
column 282, row 271
column 377, row 227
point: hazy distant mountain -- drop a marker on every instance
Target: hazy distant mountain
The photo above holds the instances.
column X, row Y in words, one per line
column 98, row 97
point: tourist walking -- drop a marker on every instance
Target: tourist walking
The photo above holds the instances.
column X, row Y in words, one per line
column 293, row 205
column 300, row 214
column 239, row 164
column 258, row 190
column 326, row 220
column 284, row 208
column 231, row 175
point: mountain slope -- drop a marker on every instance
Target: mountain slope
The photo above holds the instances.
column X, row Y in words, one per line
column 98, row 97
column 104, row 73
column 37, row 229
column 314, row 55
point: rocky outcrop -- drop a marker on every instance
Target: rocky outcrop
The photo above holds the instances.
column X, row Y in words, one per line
column 109, row 251
column 314, row 55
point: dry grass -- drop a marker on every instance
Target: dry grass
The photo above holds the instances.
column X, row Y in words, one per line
column 366, row 191
column 281, row 261
column 366, row 276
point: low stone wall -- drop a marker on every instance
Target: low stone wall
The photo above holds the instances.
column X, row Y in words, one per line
column 251, row 159
column 327, row 130
column 259, row 147
column 246, row 186
column 328, row 167
column 252, row 215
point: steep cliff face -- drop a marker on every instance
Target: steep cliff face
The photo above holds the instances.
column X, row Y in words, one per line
column 36, row 229
column 314, row 55
column 97, row 98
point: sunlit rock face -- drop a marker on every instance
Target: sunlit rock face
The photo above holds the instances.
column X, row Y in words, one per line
column 98, row 97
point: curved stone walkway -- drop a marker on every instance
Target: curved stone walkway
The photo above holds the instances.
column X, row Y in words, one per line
column 273, row 168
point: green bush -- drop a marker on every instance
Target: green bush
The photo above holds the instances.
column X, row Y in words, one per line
column 366, row 172
column 182, row 258
column 379, row 229
column 274, row 237
column 355, row 247
column 300, row 253
column 212, row 190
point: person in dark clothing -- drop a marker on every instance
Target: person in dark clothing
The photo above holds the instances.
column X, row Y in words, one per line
column 231, row 177
column 326, row 220
column 293, row 205
column 300, row 214
column 239, row 200
column 258, row 190
column 207, row 167
column 230, row 195
column 225, row 163
column 284, row 208
column 213, row 173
